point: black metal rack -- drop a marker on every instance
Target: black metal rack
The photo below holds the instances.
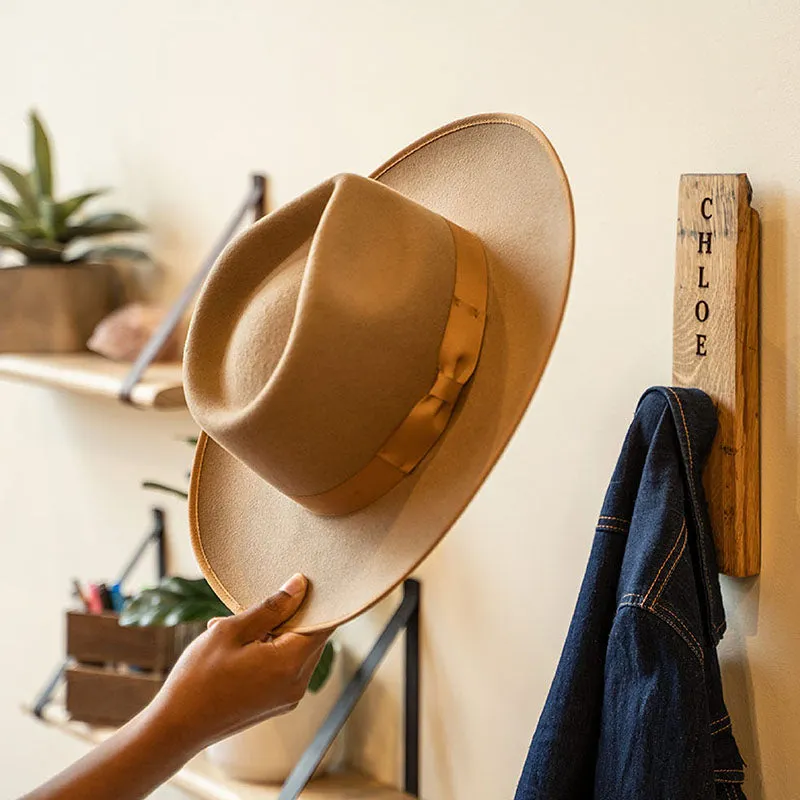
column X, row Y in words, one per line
column 256, row 202
column 406, row 617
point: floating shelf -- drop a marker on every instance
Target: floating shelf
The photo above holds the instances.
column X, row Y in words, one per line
column 202, row 779
column 161, row 387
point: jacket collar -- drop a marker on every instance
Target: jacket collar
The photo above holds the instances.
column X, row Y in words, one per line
column 695, row 420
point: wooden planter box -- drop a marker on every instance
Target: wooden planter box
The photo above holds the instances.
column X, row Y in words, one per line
column 103, row 696
column 118, row 671
column 54, row 308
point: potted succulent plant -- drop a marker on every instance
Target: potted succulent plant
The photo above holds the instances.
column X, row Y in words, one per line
column 65, row 283
column 268, row 751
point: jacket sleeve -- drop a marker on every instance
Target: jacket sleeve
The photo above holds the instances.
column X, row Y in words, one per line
column 652, row 739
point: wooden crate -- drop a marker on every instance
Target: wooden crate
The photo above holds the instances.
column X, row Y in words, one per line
column 118, row 670
column 106, row 696
column 100, row 639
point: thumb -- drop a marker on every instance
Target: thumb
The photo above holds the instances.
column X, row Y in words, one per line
column 259, row 620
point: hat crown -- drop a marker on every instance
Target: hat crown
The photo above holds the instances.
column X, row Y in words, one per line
column 318, row 330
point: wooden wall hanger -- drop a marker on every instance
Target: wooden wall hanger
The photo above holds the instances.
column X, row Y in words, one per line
column 715, row 348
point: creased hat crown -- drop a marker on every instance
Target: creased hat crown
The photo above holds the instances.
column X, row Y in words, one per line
column 318, row 331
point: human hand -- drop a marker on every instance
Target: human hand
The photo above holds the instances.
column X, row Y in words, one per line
column 236, row 674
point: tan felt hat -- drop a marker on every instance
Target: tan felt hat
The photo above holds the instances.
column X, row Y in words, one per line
column 359, row 359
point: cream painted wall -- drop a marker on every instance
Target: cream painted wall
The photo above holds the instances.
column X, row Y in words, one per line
column 174, row 103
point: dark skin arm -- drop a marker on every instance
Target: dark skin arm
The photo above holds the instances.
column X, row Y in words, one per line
column 231, row 677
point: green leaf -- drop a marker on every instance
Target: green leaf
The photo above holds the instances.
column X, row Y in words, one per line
column 29, row 230
column 173, row 601
column 147, row 608
column 22, row 186
column 10, row 210
column 191, row 588
column 102, row 225
column 48, row 213
column 109, row 253
column 323, row 669
column 191, row 611
column 42, row 159
column 35, row 251
column 10, row 238
column 66, row 208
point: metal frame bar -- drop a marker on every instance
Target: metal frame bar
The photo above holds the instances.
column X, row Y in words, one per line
column 412, row 696
column 256, row 200
column 406, row 617
column 156, row 537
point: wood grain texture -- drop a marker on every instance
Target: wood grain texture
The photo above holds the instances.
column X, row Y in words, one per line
column 161, row 387
column 100, row 639
column 104, row 697
column 715, row 348
column 54, row 308
column 201, row 779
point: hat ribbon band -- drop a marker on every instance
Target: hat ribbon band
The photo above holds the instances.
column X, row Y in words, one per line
column 420, row 430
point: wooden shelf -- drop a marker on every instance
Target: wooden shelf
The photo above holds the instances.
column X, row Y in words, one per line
column 87, row 373
column 202, row 779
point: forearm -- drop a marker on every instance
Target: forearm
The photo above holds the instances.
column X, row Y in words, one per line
column 128, row 766
column 235, row 674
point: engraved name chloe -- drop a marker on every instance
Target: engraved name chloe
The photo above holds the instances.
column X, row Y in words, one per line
column 701, row 309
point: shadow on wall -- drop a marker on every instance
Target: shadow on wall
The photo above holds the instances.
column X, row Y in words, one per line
column 759, row 653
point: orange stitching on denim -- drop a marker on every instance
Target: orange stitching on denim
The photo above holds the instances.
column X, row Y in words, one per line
column 617, row 519
column 680, row 622
column 723, row 728
column 685, row 426
column 693, row 647
column 656, row 613
column 738, row 780
column 674, row 564
column 699, row 518
column 679, row 626
column 721, row 719
column 606, row 527
column 664, row 564
column 691, row 486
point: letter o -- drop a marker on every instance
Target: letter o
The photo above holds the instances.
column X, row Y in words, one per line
column 701, row 311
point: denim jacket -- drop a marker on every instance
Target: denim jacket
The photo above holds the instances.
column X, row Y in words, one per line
column 636, row 711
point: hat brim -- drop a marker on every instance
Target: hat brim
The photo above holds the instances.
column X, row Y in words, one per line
column 498, row 176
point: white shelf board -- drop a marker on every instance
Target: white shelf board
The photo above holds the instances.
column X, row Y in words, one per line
column 161, row 386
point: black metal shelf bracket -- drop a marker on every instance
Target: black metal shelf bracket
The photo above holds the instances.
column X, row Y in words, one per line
column 256, row 202
column 406, row 617
column 155, row 537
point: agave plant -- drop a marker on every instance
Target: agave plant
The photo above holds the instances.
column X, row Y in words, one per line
column 49, row 231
